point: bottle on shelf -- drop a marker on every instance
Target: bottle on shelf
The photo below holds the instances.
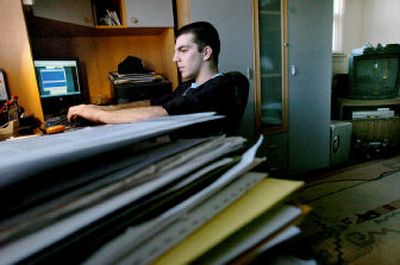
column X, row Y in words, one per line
column 13, row 108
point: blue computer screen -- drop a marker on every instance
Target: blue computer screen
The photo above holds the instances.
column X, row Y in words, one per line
column 57, row 77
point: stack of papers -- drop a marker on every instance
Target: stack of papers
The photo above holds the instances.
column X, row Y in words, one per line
column 128, row 194
column 135, row 78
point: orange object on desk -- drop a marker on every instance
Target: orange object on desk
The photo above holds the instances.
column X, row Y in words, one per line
column 55, row 129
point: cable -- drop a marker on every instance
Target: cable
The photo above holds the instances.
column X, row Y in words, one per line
column 381, row 176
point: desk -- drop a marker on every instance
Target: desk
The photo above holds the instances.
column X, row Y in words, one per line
column 345, row 102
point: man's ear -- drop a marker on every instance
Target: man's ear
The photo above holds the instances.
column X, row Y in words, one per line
column 207, row 51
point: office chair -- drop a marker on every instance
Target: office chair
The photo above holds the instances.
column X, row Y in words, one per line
column 241, row 94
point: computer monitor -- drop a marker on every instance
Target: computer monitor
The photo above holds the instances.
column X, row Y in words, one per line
column 59, row 84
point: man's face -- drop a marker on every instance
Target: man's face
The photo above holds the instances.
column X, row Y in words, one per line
column 187, row 56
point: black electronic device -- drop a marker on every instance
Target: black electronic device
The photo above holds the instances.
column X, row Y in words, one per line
column 374, row 72
column 128, row 92
column 59, row 84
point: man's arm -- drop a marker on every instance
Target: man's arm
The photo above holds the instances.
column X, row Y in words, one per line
column 134, row 104
column 99, row 115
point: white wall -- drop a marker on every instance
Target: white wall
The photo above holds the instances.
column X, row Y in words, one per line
column 352, row 25
column 374, row 21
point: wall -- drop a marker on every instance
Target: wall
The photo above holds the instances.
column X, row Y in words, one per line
column 383, row 20
column 16, row 59
column 374, row 21
column 233, row 20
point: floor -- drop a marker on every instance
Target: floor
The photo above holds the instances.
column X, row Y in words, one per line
column 355, row 216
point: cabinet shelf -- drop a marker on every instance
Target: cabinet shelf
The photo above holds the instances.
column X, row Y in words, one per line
column 349, row 103
column 271, row 75
column 43, row 27
column 272, row 13
column 109, row 13
column 110, row 27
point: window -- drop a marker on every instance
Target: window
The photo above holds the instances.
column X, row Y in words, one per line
column 338, row 12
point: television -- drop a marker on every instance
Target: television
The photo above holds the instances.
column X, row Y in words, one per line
column 374, row 73
column 59, row 84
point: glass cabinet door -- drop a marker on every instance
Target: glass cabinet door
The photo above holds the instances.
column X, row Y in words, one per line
column 271, row 72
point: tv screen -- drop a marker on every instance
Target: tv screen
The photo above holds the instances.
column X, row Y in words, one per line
column 374, row 75
column 59, row 84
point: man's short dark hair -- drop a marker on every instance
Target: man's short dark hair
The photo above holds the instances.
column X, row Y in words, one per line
column 205, row 34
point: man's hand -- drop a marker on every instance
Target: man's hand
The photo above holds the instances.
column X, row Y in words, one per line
column 88, row 112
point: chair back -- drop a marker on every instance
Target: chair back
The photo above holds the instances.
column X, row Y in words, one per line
column 241, row 95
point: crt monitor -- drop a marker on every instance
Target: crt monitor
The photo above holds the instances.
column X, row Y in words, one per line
column 375, row 74
column 59, row 84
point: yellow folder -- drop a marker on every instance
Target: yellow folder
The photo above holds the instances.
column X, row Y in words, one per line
column 256, row 201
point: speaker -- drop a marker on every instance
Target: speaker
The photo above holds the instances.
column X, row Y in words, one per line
column 340, row 142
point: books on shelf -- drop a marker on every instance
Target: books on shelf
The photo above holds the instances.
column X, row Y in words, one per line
column 110, row 18
column 113, row 17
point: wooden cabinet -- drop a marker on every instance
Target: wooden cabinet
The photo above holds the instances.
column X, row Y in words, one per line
column 309, row 83
column 127, row 13
column 149, row 13
column 293, row 70
column 70, row 11
column 109, row 13
column 372, row 128
column 99, row 50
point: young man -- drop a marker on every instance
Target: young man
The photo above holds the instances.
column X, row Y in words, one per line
column 204, row 88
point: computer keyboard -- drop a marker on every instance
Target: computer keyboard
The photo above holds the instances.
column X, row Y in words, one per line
column 76, row 122
column 57, row 120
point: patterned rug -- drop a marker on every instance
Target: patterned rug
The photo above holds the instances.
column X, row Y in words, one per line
column 356, row 215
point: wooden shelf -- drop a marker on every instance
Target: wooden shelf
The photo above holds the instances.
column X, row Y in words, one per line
column 42, row 27
column 100, row 11
column 387, row 129
column 346, row 102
